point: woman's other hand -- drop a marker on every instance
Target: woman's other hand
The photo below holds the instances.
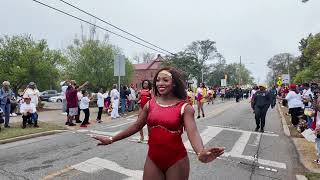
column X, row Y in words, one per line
column 208, row 155
column 103, row 140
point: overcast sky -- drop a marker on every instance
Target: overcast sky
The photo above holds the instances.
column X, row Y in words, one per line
column 254, row 29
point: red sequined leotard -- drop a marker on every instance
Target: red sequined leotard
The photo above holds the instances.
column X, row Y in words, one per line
column 165, row 125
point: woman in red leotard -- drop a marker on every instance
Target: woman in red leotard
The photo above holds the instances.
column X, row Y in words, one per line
column 167, row 114
column 143, row 98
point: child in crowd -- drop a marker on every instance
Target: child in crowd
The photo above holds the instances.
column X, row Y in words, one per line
column 84, row 106
column 107, row 103
column 29, row 113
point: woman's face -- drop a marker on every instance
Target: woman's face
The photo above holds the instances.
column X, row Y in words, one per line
column 201, row 85
column 145, row 85
column 164, row 84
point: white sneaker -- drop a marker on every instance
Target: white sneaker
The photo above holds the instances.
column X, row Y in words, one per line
column 14, row 115
column 10, row 115
column 64, row 113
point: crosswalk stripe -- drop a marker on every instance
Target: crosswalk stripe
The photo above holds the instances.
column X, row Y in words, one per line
column 240, row 144
column 96, row 164
column 206, row 136
column 104, row 132
column 240, row 130
column 122, row 124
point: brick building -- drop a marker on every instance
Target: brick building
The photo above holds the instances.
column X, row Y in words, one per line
column 146, row 71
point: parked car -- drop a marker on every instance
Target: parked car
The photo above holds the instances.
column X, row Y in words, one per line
column 56, row 98
column 45, row 95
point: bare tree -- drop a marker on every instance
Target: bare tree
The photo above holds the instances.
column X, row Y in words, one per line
column 147, row 57
column 136, row 58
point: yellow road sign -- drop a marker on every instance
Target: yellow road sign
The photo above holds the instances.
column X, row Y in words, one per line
column 279, row 82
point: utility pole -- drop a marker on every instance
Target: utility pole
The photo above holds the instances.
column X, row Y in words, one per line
column 289, row 69
column 202, row 74
column 240, row 72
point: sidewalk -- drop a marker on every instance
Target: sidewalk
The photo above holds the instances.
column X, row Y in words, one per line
column 306, row 150
column 56, row 117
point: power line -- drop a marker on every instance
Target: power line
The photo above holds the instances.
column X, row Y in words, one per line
column 120, row 29
column 97, row 26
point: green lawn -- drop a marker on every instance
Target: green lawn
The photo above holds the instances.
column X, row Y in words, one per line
column 313, row 176
column 16, row 130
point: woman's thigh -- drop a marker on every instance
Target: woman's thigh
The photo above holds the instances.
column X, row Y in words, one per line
column 151, row 171
column 179, row 171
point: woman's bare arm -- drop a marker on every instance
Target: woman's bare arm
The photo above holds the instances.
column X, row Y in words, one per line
column 132, row 129
column 192, row 130
column 204, row 155
column 135, row 127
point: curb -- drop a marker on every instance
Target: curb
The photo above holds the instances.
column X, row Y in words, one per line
column 301, row 177
column 287, row 133
column 19, row 138
column 284, row 122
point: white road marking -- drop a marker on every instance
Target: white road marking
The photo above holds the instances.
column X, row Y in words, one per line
column 131, row 116
column 256, row 141
column 106, row 133
column 87, row 167
column 206, row 136
column 82, row 130
column 122, row 124
column 96, row 164
column 274, row 170
column 240, row 145
column 260, row 161
column 239, row 130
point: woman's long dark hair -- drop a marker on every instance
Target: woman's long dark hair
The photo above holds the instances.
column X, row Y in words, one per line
column 179, row 89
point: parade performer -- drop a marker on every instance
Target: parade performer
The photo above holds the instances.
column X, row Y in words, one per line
column 167, row 115
column 201, row 94
column 143, row 98
column 190, row 97
column 210, row 95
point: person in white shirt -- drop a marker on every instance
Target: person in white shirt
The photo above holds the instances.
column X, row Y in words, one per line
column 64, row 87
column 222, row 94
column 77, row 117
column 84, row 106
column 306, row 93
column 29, row 112
column 132, row 98
column 115, row 96
column 253, row 91
column 100, row 104
column 295, row 104
column 33, row 93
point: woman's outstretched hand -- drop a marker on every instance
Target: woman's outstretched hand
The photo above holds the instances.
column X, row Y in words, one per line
column 103, row 140
column 208, row 155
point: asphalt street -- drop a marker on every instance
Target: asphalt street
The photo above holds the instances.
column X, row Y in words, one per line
column 74, row 154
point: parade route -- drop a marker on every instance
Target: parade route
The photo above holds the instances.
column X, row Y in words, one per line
column 74, row 154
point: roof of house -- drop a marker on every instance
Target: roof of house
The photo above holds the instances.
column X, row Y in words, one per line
column 155, row 64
